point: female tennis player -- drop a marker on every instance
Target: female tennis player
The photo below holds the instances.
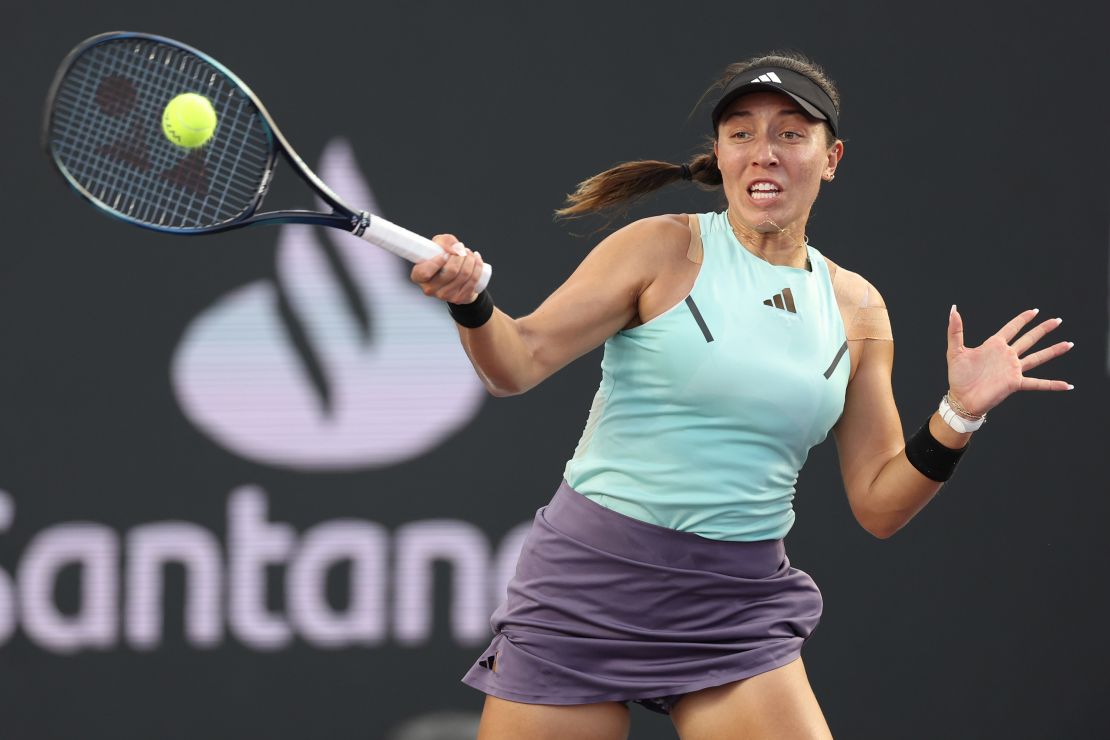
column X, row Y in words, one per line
column 657, row 573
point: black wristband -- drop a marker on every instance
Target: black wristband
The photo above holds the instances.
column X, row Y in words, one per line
column 472, row 315
column 930, row 457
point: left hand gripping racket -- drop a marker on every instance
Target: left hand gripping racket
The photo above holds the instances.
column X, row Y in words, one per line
column 103, row 131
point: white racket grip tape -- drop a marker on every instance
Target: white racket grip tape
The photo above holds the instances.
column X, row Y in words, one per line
column 410, row 246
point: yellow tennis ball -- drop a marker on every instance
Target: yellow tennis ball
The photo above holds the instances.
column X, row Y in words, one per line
column 189, row 120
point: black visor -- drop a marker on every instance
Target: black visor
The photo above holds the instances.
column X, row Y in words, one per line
column 803, row 90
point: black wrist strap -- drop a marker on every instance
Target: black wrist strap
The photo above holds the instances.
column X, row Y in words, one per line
column 930, row 457
column 472, row 315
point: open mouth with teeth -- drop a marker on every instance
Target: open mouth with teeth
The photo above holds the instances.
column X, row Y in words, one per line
column 764, row 191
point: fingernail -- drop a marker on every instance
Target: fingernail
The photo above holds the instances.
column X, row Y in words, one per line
column 459, row 249
column 1036, row 311
column 1071, row 387
column 1071, row 344
column 953, row 309
column 1058, row 320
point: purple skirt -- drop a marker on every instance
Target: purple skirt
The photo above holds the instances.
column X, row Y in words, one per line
column 604, row 607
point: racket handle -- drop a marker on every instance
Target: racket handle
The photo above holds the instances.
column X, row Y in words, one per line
column 410, row 246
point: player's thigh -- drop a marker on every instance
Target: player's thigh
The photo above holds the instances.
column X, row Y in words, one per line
column 509, row 720
column 778, row 704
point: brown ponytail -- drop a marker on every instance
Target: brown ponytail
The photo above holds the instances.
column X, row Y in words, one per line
column 630, row 181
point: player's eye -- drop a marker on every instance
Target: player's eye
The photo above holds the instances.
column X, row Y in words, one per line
column 791, row 135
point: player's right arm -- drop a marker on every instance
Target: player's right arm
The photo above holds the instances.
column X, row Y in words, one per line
column 600, row 298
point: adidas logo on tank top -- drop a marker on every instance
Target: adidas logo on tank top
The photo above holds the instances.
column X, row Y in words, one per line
column 783, row 300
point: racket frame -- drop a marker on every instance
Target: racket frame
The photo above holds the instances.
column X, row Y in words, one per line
column 374, row 229
column 343, row 216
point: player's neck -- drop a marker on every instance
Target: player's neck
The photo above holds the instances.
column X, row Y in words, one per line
column 778, row 246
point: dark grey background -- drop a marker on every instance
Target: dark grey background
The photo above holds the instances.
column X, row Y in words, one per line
column 975, row 173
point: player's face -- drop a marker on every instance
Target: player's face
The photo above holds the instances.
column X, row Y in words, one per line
column 772, row 158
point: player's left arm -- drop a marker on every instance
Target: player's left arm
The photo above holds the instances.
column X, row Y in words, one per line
column 869, row 436
column 884, row 490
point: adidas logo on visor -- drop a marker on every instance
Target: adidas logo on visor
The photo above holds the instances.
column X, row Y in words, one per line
column 769, row 77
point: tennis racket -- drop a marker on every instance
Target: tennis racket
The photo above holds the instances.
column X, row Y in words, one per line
column 103, row 131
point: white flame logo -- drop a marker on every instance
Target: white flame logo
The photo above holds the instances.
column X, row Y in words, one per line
column 340, row 363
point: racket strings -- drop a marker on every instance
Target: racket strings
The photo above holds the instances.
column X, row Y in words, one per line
column 106, row 133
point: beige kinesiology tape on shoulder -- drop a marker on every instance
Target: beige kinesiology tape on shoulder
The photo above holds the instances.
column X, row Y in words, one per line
column 866, row 317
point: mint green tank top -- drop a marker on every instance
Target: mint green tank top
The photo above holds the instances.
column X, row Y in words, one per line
column 706, row 413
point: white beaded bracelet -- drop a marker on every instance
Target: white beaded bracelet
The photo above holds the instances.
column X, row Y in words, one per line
column 959, row 423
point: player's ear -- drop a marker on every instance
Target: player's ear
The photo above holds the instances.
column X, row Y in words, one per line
column 833, row 157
